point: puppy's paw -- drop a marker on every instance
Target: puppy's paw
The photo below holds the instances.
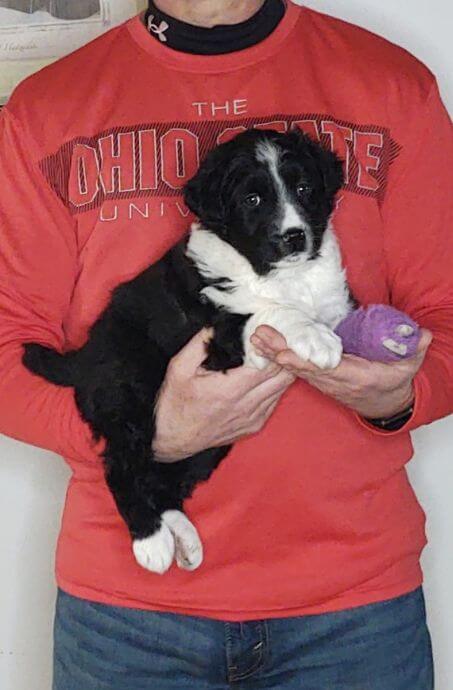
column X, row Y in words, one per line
column 316, row 343
column 155, row 553
column 189, row 549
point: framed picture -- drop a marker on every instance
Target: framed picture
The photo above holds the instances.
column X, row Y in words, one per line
column 39, row 31
column 58, row 9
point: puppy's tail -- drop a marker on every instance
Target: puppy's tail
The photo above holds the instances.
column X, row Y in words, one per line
column 50, row 364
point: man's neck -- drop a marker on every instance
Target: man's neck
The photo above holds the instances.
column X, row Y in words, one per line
column 209, row 13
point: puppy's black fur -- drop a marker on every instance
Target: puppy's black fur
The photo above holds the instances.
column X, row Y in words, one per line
column 118, row 372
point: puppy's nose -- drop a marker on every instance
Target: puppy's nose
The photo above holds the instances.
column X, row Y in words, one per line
column 293, row 235
column 294, row 240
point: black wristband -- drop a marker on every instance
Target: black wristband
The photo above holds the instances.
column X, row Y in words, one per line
column 395, row 422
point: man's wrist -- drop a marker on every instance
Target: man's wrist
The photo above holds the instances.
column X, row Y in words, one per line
column 160, row 453
column 395, row 422
column 164, row 453
column 399, row 416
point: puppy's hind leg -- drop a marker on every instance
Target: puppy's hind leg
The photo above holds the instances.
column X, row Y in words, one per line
column 149, row 496
column 141, row 495
column 153, row 543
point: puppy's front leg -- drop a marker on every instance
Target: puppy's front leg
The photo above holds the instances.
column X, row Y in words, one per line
column 311, row 341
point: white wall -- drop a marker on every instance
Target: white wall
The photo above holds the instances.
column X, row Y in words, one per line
column 32, row 482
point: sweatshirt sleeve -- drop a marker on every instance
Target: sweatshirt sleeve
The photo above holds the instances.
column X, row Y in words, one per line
column 418, row 227
column 38, row 269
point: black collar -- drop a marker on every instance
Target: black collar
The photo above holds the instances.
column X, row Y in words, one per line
column 219, row 40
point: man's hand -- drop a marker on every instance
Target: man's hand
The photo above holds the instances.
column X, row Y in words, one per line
column 198, row 409
column 372, row 389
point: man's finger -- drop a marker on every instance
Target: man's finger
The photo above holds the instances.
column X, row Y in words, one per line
column 425, row 341
column 289, row 360
column 422, row 348
column 262, row 349
column 272, row 338
column 412, row 364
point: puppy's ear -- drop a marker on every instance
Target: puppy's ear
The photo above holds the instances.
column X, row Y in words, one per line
column 202, row 193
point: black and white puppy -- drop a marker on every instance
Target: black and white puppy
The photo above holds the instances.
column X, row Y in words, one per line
column 263, row 252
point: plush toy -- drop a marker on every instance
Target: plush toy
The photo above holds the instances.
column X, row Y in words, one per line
column 379, row 333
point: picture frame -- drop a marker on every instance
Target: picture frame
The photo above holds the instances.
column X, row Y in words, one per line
column 35, row 32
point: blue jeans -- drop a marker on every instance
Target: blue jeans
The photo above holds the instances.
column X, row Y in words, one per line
column 383, row 646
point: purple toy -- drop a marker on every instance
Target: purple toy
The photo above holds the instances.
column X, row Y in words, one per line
column 379, row 333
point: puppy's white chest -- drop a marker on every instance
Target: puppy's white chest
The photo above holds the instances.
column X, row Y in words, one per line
column 304, row 300
column 288, row 287
column 318, row 287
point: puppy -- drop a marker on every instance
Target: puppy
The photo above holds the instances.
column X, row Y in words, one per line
column 263, row 252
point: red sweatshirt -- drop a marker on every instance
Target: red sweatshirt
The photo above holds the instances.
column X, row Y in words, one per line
column 315, row 512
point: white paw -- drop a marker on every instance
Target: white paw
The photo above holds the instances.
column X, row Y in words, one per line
column 156, row 552
column 189, row 549
column 316, row 343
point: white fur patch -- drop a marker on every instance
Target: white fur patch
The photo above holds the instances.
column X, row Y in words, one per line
column 269, row 154
column 155, row 553
column 291, row 218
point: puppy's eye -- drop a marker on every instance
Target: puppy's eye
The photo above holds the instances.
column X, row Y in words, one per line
column 303, row 190
column 252, row 200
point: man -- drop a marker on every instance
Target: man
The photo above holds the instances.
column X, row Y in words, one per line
column 311, row 531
